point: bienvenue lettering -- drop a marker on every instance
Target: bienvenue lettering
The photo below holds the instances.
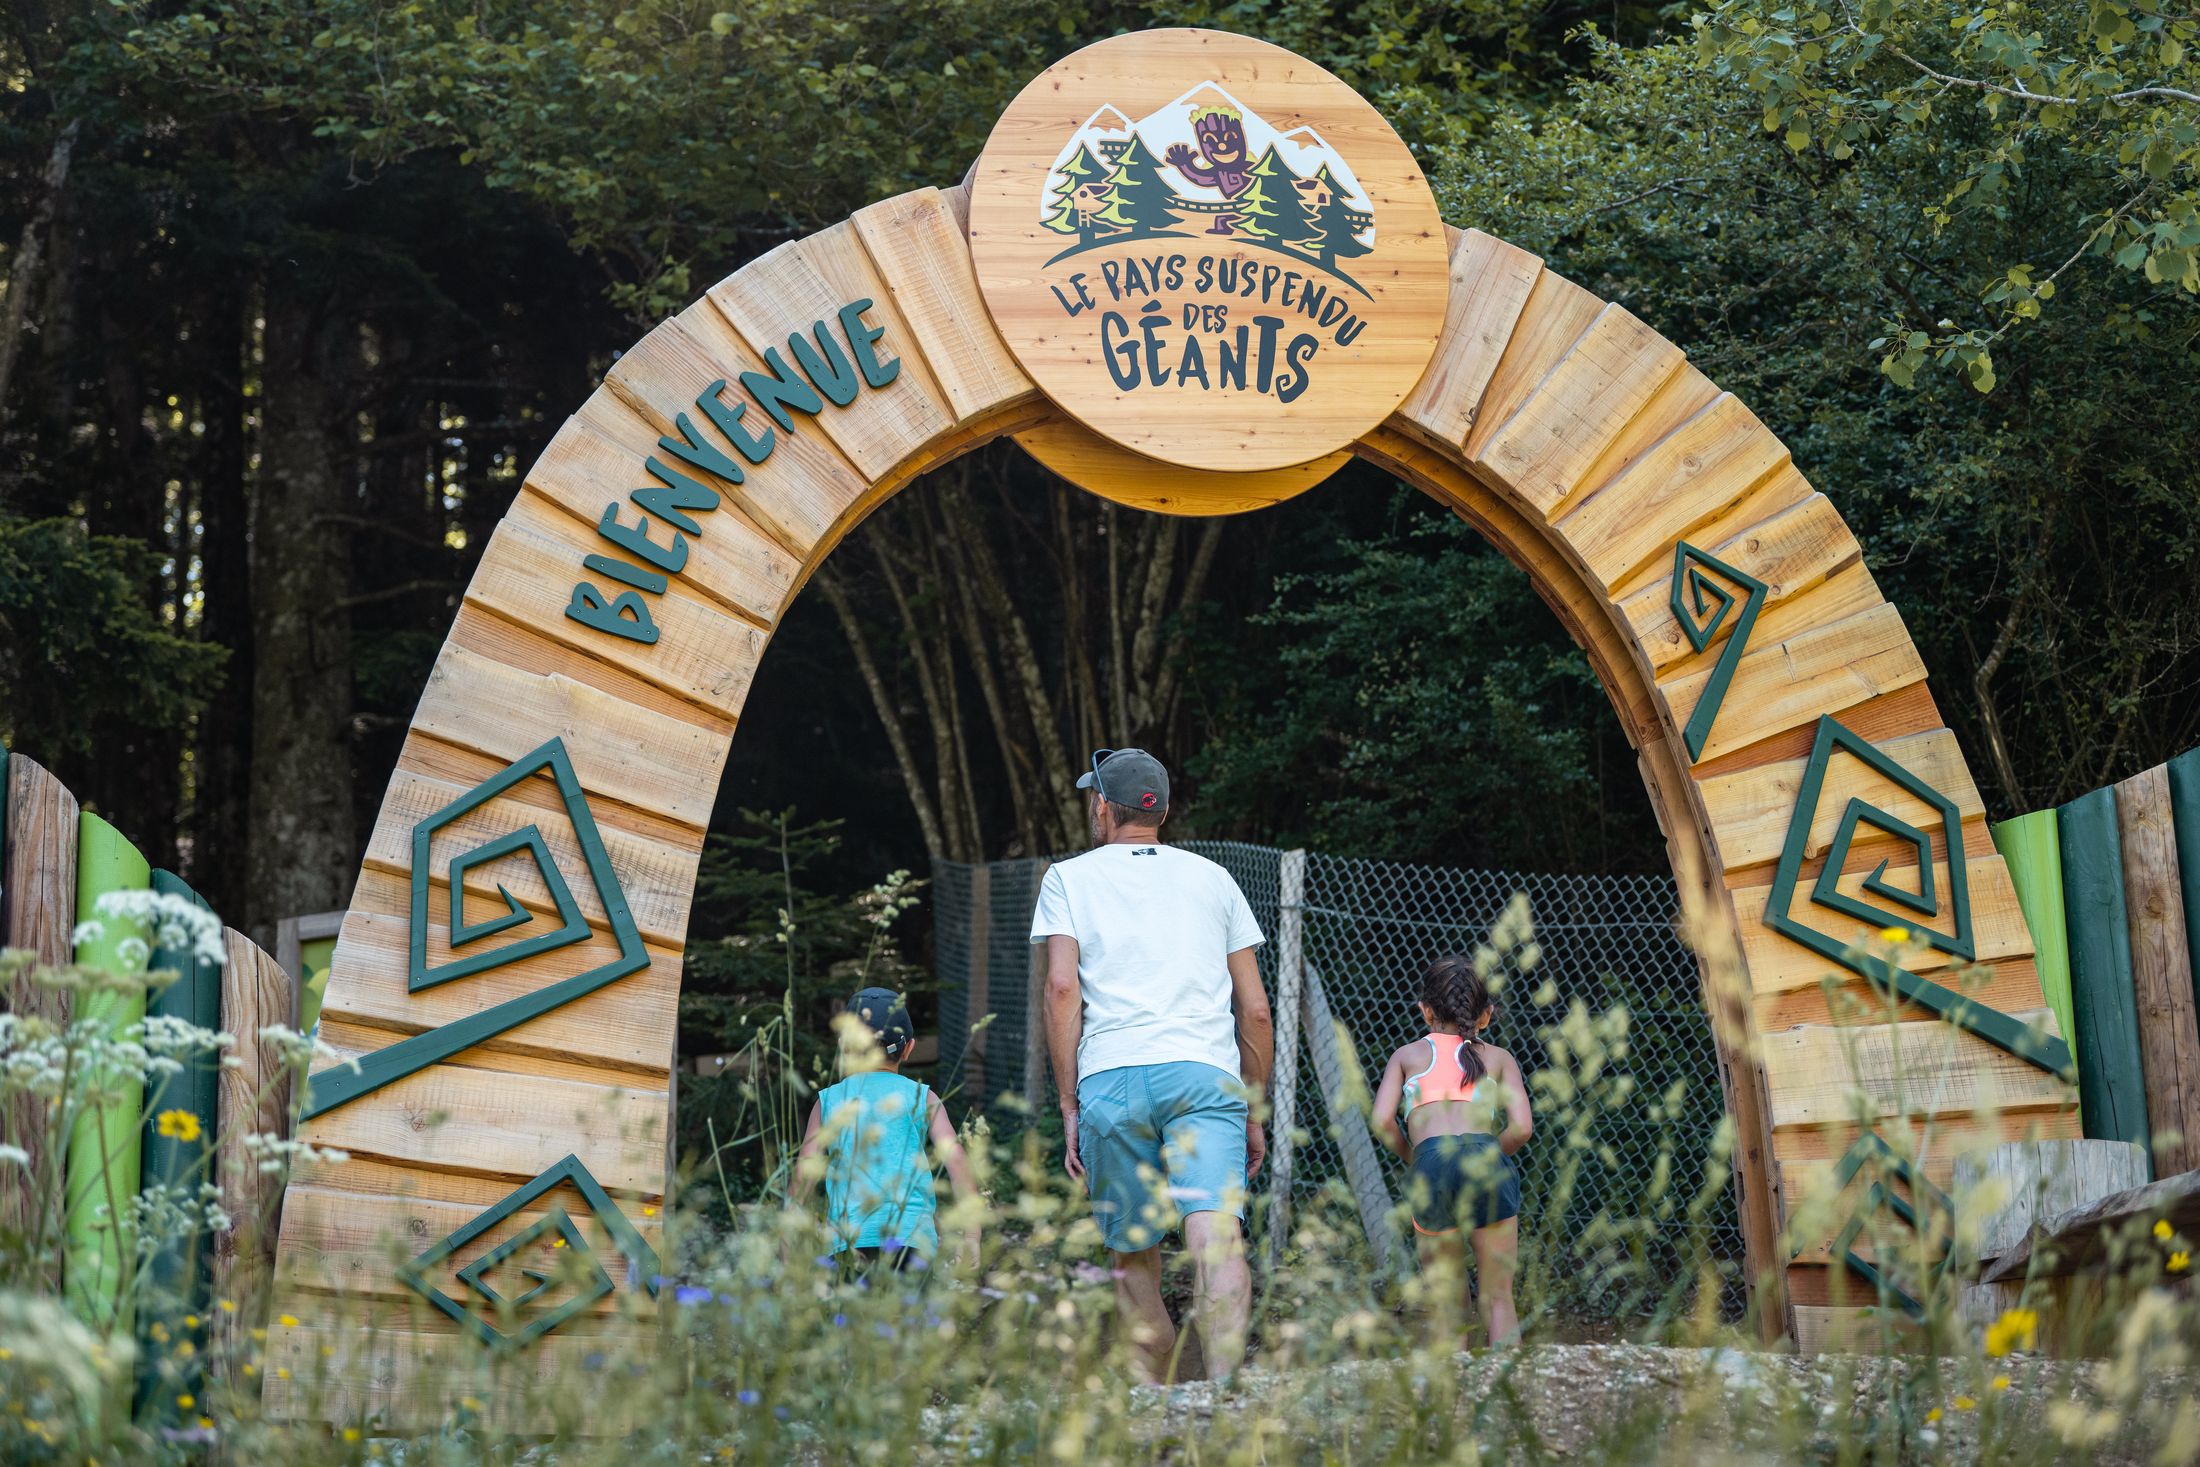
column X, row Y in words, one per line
column 664, row 512
column 1197, row 341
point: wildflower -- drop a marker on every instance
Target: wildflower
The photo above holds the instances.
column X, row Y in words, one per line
column 1895, row 935
column 1966, row 1403
column 471, row 1403
column 1932, row 1415
column 691, row 1294
column 179, row 1125
column 185, row 1403
column 17, row 1155
column 351, row 1433
column 2001, row 1382
column 2162, row 1230
column 649, row 1212
column 2015, row 1330
column 2178, row 1261
column 747, row 1398
column 287, row 1321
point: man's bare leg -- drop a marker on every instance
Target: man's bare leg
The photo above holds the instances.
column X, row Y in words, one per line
column 1142, row 1314
column 1222, row 1289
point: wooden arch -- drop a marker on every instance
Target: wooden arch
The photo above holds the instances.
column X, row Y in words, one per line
column 562, row 775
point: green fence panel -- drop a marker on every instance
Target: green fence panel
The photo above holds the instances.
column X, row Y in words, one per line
column 2184, row 804
column 102, row 1169
column 176, row 1155
column 2110, row 1083
column 314, row 960
column 2032, row 847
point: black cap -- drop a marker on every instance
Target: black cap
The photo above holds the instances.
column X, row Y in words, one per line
column 1129, row 777
column 888, row 1017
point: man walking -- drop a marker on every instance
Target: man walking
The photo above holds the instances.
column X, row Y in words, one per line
column 1158, row 1029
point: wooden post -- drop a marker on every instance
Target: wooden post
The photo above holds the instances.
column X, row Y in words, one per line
column 255, row 1099
column 977, row 982
column 38, row 904
column 2161, row 970
column 1283, row 1084
column 1362, row 1168
column 2107, row 1041
column 1035, row 1013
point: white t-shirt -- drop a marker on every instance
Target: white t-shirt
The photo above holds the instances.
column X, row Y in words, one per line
column 1154, row 928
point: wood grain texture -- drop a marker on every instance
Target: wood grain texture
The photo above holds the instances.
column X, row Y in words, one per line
column 1595, row 390
column 1797, row 549
column 2109, row 1068
column 1093, row 463
column 1819, row 1076
column 2161, row 969
column 1556, row 314
column 1490, row 285
column 1825, row 669
column 38, row 909
column 1751, row 811
column 254, row 1099
column 917, row 246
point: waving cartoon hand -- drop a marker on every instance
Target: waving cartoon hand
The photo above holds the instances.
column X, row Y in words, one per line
column 1188, row 163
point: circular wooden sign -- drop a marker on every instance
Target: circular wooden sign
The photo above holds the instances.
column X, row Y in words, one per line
column 1208, row 250
column 1093, row 464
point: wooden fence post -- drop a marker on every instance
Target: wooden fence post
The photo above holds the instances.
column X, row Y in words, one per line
column 1035, row 1010
column 1362, row 1168
column 2161, row 970
column 1284, row 1083
column 255, row 1097
column 38, row 899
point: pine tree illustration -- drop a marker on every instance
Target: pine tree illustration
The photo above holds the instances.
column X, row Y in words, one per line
column 1138, row 199
column 1082, row 168
column 1339, row 223
column 1270, row 207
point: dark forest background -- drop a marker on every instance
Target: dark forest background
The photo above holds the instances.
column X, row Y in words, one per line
column 293, row 294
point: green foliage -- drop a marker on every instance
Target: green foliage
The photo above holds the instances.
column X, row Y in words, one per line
column 1428, row 707
column 80, row 651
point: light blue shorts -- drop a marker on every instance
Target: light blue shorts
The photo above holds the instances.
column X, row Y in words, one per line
column 1160, row 1142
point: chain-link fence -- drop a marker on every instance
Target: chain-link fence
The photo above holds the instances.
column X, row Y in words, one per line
column 1365, row 929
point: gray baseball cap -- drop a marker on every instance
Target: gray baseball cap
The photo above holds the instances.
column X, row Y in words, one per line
column 1130, row 777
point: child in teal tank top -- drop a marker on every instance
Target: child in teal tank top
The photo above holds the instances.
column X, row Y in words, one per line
column 870, row 1131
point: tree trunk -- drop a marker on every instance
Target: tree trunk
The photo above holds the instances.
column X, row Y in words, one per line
column 889, row 716
column 29, row 259
column 303, row 845
column 221, row 847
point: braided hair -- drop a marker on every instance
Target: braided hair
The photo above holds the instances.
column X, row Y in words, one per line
column 1457, row 997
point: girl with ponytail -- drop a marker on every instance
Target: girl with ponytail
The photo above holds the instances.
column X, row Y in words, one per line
column 1457, row 1109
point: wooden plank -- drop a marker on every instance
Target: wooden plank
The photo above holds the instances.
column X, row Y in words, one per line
column 1818, row 1076
column 2161, row 969
column 806, row 281
column 1593, row 392
column 1842, row 997
column 2107, row 1043
column 1751, row 811
column 1362, row 1167
column 655, row 867
column 2081, row 1237
column 1093, row 463
column 1781, row 490
column 2184, row 800
column 358, row 1242
column 1558, row 311
column 627, row 1024
column 649, row 759
column 1826, row 669
column 38, row 904
column 1699, row 470
column 255, row 1096
column 104, row 1163
column 507, row 1125
column 1778, row 963
column 1906, row 710
column 597, row 459
column 1685, row 394
column 1796, row 550
column 1490, row 285
column 2020, row 1186
column 1283, row 1084
column 703, row 652
column 917, row 246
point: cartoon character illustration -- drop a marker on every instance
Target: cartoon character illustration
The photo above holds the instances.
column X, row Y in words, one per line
column 1220, row 162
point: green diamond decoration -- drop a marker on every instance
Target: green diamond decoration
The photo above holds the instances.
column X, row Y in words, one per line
column 1700, row 604
column 1993, row 1026
column 596, row 1281
column 342, row 1084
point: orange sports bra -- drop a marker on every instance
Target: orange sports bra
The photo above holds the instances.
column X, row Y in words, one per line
column 1445, row 1078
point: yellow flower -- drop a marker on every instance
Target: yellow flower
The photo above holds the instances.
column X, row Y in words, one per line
column 190, row 1321
column 185, row 1403
column 179, row 1125
column 287, row 1321
column 1894, row 934
column 557, row 1242
column 649, row 1212
column 2178, row 1260
column 206, row 1423
column 1965, row 1403
column 2161, row 1229
column 470, row 1403
column 282, row 1373
column 1932, row 1416
column 2001, row 1382
column 351, row 1433
column 229, row 1306
column 2015, row 1330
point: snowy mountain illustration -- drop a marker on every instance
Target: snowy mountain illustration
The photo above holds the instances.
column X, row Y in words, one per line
column 1206, row 165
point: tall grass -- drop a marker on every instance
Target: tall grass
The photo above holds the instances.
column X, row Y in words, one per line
column 760, row 1346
